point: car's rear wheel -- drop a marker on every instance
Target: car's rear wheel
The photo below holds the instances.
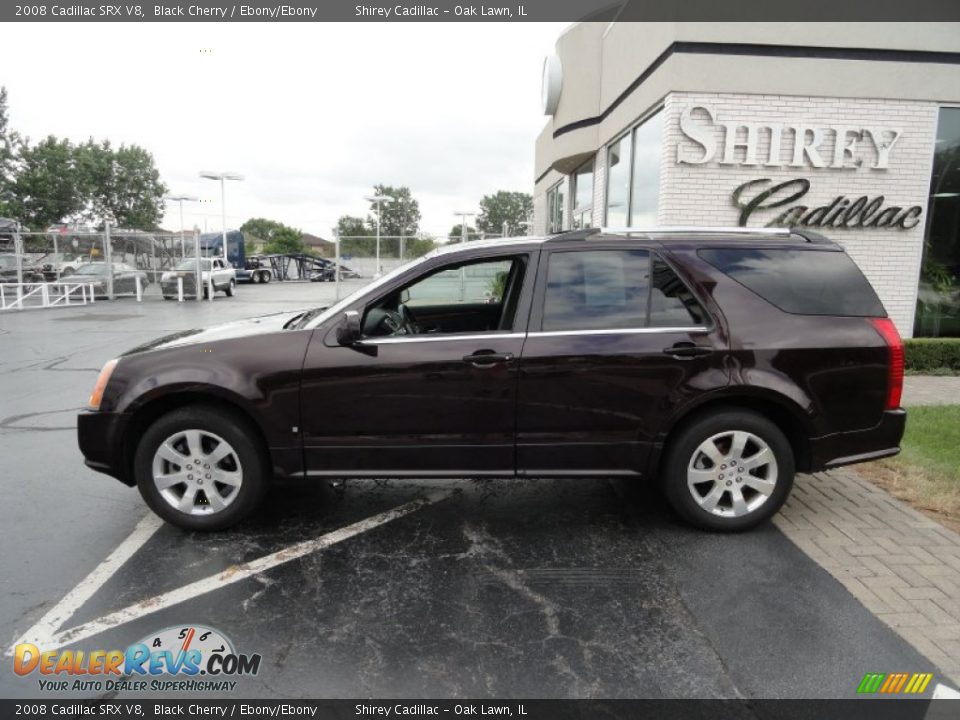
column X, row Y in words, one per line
column 201, row 468
column 230, row 288
column 728, row 471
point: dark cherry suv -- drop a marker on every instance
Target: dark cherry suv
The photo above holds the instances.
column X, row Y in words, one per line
column 716, row 362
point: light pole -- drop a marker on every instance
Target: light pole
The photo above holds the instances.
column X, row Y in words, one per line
column 463, row 215
column 222, row 177
column 378, row 199
column 182, row 199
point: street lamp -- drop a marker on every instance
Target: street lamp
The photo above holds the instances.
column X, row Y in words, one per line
column 378, row 199
column 463, row 215
column 182, row 199
column 222, row 177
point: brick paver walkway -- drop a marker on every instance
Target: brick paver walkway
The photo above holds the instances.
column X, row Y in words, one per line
column 931, row 390
column 903, row 566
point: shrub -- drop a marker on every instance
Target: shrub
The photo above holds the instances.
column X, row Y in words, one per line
column 932, row 355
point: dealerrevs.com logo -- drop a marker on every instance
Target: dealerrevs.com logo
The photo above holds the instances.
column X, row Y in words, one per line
column 191, row 658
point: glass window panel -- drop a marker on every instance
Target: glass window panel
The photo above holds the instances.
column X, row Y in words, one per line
column 618, row 182
column 671, row 302
column 597, row 289
column 646, row 172
column 938, row 297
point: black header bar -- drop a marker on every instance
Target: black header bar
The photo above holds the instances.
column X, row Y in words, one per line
column 485, row 11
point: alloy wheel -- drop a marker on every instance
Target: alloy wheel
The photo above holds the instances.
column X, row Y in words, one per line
column 732, row 474
column 197, row 472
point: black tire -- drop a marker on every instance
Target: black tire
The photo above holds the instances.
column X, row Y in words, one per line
column 683, row 451
column 206, row 292
column 168, row 297
column 238, row 432
column 230, row 288
column 266, row 277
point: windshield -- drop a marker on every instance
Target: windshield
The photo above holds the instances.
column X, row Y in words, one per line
column 191, row 264
column 371, row 288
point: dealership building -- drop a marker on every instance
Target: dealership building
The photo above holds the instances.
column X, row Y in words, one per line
column 851, row 130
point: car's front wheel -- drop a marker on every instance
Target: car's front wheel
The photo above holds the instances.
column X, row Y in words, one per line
column 728, row 471
column 231, row 287
column 201, row 468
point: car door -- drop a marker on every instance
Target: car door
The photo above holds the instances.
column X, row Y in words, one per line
column 438, row 403
column 616, row 340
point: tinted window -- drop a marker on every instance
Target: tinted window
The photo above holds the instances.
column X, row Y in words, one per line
column 597, row 289
column 805, row 282
column 671, row 302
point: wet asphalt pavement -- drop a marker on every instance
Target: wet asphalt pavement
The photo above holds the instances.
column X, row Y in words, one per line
column 534, row 589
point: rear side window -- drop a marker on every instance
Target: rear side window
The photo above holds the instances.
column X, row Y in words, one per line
column 803, row 282
column 615, row 289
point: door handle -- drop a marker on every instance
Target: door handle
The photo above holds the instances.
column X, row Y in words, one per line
column 487, row 358
column 687, row 350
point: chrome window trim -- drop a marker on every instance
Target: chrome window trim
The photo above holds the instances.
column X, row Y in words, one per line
column 537, row 333
column 442, row 338
column 619, row 331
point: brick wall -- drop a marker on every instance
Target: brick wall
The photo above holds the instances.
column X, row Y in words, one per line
column 701, row 194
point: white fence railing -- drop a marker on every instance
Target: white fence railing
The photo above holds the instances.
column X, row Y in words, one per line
column 28, row 296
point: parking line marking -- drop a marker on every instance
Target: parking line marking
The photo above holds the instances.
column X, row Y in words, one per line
column 46, row 628
column 236, row 573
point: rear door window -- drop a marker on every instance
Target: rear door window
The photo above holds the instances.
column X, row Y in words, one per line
column 616, row 290
column 596, row 290
column 803, row 282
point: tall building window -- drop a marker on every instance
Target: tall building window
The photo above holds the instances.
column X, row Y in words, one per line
column 645, row 186
column 618, row 182
column 556, row 204
column 938, row 298
column 633, row 175
column 583, row 196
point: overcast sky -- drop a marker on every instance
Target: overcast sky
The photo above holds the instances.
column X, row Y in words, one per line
column 313, row 114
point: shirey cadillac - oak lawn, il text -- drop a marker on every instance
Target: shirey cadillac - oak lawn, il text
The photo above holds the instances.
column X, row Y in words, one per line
column 715, row 363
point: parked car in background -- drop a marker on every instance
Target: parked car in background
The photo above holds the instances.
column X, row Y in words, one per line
column 713, row 364
column 124, row 278
column 60, row 265
column 211, row 270
column 32, row 270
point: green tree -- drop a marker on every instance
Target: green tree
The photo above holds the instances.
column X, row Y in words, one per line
column 507, row 207
column 456, row 233
column 46, row 188
column 401, row 216
column 277, row 237
column 131, row 191
column 8, row 142
column 355, row 237
column 416, row 246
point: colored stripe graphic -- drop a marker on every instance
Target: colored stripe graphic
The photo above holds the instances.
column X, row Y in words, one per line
column 894, row 683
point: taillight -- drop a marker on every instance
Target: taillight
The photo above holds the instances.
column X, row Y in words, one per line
column 891, row 337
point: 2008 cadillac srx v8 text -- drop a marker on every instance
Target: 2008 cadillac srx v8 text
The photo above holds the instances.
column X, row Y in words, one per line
column 716, row 362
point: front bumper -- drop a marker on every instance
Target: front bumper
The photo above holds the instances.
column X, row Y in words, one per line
column 100, row 436
column 882, row 440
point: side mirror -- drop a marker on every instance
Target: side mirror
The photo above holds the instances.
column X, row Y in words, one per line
column 405, row 296
column 348, row 332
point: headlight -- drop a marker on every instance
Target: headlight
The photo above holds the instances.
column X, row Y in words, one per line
column 97, row 395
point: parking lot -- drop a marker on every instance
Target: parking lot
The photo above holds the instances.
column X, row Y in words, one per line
column 567, row 588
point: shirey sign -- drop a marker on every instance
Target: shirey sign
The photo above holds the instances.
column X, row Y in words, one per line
column 840, row 148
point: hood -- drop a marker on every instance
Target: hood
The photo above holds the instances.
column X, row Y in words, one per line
column 229, row 331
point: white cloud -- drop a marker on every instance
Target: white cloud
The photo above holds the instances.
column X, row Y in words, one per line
column 313, row 114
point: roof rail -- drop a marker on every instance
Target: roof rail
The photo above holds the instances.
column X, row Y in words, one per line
column 575, row 234
column 655, row 230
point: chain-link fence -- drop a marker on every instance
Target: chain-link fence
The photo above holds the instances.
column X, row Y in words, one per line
column 41, row 269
